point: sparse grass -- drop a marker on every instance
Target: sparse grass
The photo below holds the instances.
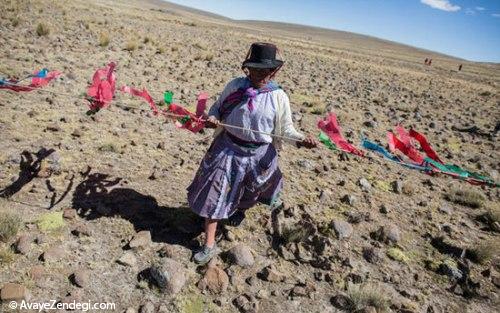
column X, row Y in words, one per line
column 7, row 256
column 50, row 221
column 295, row 233
column 104, row 39
column 131, row 45
column 147, row 40
column 492, row 215
column 108, row 147
column 42, row 29
column 9, row 226
column 468, row 198
column 15, row 21
column 367, row 295
column 160, row 50
column 485, row 251
column 200, row 46
column 204, row 57
column 397, row 255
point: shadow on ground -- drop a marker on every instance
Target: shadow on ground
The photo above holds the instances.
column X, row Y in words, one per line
column 101, row 195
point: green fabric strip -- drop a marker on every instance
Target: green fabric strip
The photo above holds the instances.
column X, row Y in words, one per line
column 326, row 141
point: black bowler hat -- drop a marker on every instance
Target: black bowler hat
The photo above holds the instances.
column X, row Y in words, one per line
column 262, row 55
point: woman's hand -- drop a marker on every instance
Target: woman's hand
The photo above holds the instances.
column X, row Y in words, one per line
column 212, row 122
column 309, row 142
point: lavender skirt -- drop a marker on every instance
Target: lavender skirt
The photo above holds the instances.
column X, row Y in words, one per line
column 232, row 177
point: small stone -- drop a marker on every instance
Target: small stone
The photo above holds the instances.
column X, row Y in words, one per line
column 81, row 278
column 370, row 124
column 241, row 255
column 299, row 291
column 23, row 244
column 169, row 276
column 365, row 184
column 371, row 255
column 397, row 186
column 69, row 213
column 81, row 230
column 445, row 209
column 384, row 209
column 130, row 310
column 342, row 229
column 246, row 303
column 36, row 272
column 14, row 292
column 387, row 234
column 53, row 254
column 341, row 301
column 215, row 280
column 147, row 307
column 270, row 274
column 262, row 294
column 128, row 259
column 140, row 240
column 348, row 199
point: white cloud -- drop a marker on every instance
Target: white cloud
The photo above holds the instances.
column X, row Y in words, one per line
column 480, row 9
column 495, row 14
column 444, row 5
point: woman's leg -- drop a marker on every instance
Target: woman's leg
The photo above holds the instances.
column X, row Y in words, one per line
column 209, row 250
column 210, row 230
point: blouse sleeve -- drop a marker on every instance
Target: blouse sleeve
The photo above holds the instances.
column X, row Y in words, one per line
column 230, row 88
column 287, row 128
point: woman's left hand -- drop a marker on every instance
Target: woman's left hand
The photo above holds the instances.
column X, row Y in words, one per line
column 309, row 142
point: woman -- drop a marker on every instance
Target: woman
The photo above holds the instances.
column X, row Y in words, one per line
column 241, row 166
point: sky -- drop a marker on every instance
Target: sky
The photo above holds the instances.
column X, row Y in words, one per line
column 468, row 29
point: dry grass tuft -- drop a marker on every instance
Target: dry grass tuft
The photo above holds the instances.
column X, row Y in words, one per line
column 365, row 296
column 104, row 39
column 131, row 45
column 42, row 29
column 485, row 251
column 468, row 198
column 9, row 226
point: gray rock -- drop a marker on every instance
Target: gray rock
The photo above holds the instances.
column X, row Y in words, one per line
column 271, row 274
column 445, row 209
column 169, row 276
column 14, row 292
column 215, row 280
column 387, row 234
column 23, row 244
column 81, row 278
column 147, row 307
column 342, row 229
column 349, row 199
column 246, row 303
column 53, row 254
column 128, row 259
column 365, row 185
column 241, row 255
column 371, row 255
column 397, row 186
column 141, row 240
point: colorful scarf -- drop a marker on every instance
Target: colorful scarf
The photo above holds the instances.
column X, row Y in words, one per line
column 243, row 94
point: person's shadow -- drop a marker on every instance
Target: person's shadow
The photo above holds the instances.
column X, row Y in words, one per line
column 100, row 195
column 28, row 169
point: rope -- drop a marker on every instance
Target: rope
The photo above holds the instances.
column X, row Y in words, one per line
column 164, row 113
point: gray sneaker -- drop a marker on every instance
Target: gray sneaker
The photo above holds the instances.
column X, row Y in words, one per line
column 205, row 254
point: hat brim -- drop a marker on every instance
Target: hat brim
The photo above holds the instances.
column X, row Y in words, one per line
column 271, row 64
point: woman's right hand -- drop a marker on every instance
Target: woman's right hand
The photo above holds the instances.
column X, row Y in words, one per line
column 212, row 122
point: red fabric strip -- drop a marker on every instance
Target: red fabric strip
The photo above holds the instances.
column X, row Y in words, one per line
column 330, row 127
column 102, row 89
column 425, row 145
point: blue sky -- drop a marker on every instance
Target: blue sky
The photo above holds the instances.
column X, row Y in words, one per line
column 468, row 29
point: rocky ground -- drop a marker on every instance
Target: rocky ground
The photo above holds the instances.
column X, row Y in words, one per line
column 93, row 208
